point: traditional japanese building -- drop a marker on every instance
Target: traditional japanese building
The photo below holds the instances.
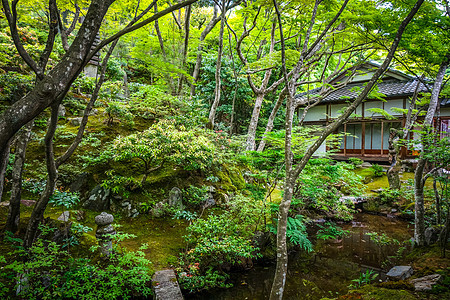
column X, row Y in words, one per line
column 368, row 131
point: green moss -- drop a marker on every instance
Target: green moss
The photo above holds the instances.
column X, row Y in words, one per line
column 371, row 292
column 225, row 181
column 236, row 177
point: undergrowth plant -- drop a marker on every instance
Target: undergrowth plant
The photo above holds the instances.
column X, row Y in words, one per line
column 46, row 271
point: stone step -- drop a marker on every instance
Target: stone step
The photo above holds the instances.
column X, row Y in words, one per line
column 165, row 286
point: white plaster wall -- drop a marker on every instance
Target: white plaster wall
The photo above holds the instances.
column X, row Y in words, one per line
column 445, row 111
column 316, row 113
column 335, row 108
column 393, row 103
column 321, row 150
column 372, row 104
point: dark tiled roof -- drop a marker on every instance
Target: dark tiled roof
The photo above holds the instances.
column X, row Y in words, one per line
column 445, row 102
column 390, row 88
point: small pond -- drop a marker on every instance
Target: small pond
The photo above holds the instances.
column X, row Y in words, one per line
column 330, row 270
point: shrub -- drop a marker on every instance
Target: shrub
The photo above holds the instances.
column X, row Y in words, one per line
column 355, row 161
column 195, row 196
column 389, row 196
column 46, row 271
column 377, row 170
column 212, row 242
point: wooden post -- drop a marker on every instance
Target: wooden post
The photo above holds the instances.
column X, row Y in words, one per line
column 382, row 137
column 345, row 139
column 363, row 138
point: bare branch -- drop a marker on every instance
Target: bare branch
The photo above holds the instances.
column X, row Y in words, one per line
column 138, row 25
column 12, row 22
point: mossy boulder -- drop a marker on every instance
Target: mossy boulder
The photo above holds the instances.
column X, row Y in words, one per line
column 230, row 178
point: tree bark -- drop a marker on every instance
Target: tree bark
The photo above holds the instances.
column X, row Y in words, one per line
column 269, row 126
column 158, row 33
column 217, row 90
column 4, row 160
column 187, row 22
column 394, row 170
column 12, row 221
column 419, row 181
column 203, row 35
column 54, row 85
column 37, row 214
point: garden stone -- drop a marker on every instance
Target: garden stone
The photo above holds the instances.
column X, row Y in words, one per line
column 99, row 199
column 75, row 121
column 64, row 217
column 80, row 183
column 104, row 219
column 134, row 213
column 400, row 273
column 92, row 112
column 61, row 111
column 104, row 232
column 366, row 164
column 158, row 210
column 209, row 202
column 425, row 283
column 22, row 284
column 431, row 235
column 27, row 202
column 176, row 198
column 166, row 286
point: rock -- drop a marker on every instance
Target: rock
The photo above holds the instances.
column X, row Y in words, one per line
column 64, row 217
column 209, row 202
column 431, row 235
column 158, row 210
column 75, row 121
column 61, row 235
column 425, row 283
column 104, row 219
column 261, row 239
column 61, row 111
column 80, row 183
column 134, row 213
column 27, row 202
column 176, row 198
column 5, row 203
column 92, row 113
column 166, row 286
column 99, row 199
column 400, row 273
column 366, row 164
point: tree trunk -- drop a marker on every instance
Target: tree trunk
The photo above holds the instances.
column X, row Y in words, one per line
column 158, row 33
column 37, row 214
column 292, row 175
column 217, row 90
column 419, row 229
column 203, row 35
column 269, row 126
column 251, row 134
column 438, row 202
column 12, row 222
column 187, row 22
column 419, row 213
column 394, row 170
column 4, row 160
